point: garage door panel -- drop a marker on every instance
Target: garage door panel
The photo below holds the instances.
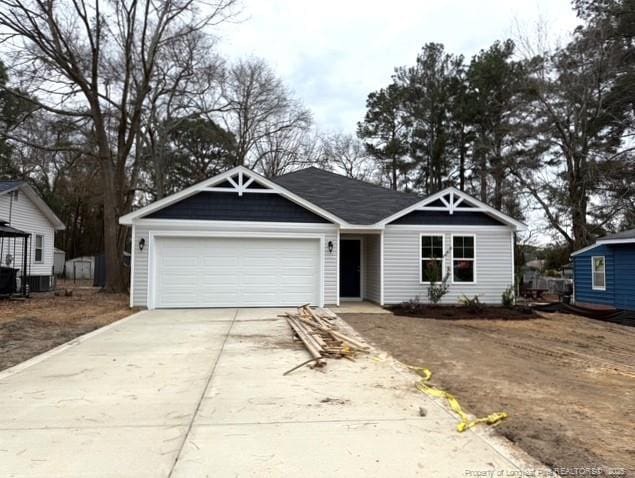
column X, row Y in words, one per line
column 235, row 272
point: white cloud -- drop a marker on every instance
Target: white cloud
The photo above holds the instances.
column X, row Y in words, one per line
column 332, row 53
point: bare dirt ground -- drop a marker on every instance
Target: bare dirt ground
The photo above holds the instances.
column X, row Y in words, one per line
column 35, row 325
column 567, row 382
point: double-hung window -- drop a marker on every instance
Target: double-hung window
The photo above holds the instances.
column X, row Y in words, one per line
column 463, row 259
column 598, row 272
column 431, row 258
column 39, row 247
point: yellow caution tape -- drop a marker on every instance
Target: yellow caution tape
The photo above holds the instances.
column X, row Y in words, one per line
column 465, row 423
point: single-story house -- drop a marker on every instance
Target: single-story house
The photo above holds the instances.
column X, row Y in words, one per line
column 604, row 272
column 312, row 236
column 23, row 209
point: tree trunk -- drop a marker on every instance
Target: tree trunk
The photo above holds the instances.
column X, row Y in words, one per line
column 499, row 178
column 394, row 173
column 577, row 173
column 112, row 251
column 462, row 164
column 579, row 203
column 482, row 165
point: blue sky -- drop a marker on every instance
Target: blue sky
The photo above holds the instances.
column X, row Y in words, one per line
column 332, row 53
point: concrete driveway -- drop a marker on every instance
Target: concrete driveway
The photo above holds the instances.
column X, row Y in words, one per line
column 201, row 393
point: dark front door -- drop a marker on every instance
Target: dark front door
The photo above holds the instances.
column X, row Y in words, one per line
column 350, row 268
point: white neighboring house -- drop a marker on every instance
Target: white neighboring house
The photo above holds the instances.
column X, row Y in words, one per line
column 22, row 208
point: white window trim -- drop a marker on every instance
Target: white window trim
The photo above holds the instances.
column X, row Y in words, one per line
column 593, row 286
column 474, row 260
column 421, row 259
column 35, row 248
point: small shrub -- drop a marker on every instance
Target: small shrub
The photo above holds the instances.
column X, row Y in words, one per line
column 412, row 306
column 436, row 290
column 508, row 297
column 473, row 305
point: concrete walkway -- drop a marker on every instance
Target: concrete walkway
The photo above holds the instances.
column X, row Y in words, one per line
column 201, row 393
column 358, row 307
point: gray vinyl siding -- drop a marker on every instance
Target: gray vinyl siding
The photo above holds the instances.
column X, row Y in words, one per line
column 494, row 264
column 330, row 264
column 139, row 285
column 140, row 258
column 23, row 214
column 372, row 260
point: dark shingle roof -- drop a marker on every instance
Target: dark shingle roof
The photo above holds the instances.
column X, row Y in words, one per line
column 6, row 185
column 630, row 234
column 357, row 202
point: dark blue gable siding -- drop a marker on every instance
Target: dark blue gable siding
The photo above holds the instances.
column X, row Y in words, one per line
column 228, row 206
column 582, row 276
column 443, row 218
column 624, row 255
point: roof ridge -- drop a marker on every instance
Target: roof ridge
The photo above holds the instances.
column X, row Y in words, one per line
column 341, row 176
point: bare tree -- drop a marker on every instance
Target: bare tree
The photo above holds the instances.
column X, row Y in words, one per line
column 185, row 85
column 346, row 154
column 258, row 108
column 96, row 61
column 284, row 151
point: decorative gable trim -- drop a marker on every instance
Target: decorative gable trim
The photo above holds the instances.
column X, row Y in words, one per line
column 239, row 180
column 452, row 200
column 240, row 184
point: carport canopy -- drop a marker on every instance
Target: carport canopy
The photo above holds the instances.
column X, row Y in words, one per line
column 8, row 231
column 7, row 274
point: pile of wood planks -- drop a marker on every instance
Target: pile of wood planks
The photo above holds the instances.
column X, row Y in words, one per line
column 317, row 330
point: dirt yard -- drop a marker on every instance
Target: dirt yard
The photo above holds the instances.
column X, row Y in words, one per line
column 30, row 327
column 567, row 382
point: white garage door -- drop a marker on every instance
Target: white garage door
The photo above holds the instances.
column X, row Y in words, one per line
column 236, row 272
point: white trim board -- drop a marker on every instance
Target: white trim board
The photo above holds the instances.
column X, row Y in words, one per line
column 513, row 252
column 615, row 241
column 337, row 268
column 381, row 268
column 206, row 225
column 584, row 249
column 442, row 228
column 600, row 242
column 133, row 253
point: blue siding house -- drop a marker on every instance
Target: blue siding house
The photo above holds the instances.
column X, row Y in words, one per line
column 604, row 273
